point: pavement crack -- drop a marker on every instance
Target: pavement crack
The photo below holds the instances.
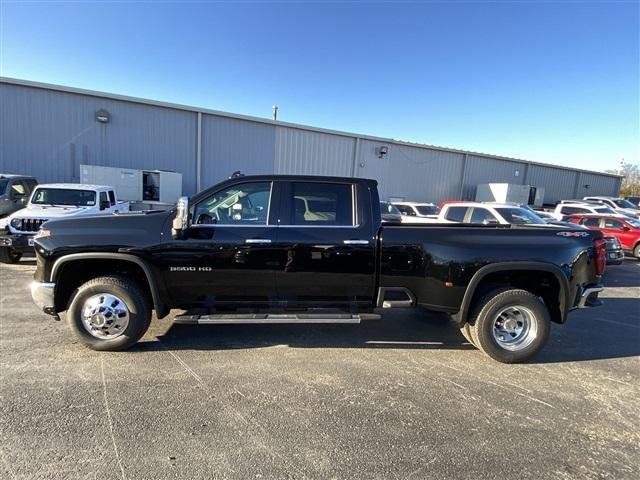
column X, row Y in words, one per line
column 106, row 405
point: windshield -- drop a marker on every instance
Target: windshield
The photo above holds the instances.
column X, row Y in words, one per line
column 633, row 222
column 427, row 209
column 520, row 216
column 604, row 210
column 386, row 208
column 624, row 204
column 63, row 196
column 3, row 185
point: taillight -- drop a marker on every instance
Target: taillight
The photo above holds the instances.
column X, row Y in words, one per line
column 599, row 254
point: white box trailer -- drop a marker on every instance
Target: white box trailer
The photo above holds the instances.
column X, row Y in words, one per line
column 510, row 193
column 148, row 188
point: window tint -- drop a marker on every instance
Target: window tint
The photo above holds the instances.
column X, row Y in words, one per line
column 520, row 216
column 17, row 188
column 456, row 214
column 112, row 197
column 590, row 222
column 572, row 210
column 406, row 210
column 243, row 204
column 103, row 198
column 321, row 204
column 611, row 223
column 482, row 215
column 427, row 209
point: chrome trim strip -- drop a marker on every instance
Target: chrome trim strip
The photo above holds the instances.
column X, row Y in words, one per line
column 356, row 242
column 586, row 293
column 257, row 240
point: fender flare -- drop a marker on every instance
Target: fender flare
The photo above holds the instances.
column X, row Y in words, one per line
column 563, row 295
column 159, row 306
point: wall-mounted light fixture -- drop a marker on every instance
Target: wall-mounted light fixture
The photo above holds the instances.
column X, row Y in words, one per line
column 382, row 151
column 587, row 186
column 103, row 116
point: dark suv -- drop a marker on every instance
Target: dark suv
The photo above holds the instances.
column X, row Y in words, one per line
column 15, row 191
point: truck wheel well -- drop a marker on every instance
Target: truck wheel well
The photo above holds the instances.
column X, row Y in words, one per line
column 541, row 283
column 77, row 272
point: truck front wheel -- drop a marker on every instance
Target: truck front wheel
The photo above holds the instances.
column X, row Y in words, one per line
column 9, row 255
column 509, row 325
column 109, row 313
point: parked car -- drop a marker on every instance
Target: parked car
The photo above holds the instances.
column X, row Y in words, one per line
column 415, row 212
column 15, row 191
column 619, row 205
column 489, row 213
column 390, row 213
column 615, row 254
column 214, row 257
column 51, row 201
column 635, row 200
column 581, row 207
column 551, row 220
column 626, row 230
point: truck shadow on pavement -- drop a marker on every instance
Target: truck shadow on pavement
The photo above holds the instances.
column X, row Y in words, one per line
column 596, row 334
column 399, row 329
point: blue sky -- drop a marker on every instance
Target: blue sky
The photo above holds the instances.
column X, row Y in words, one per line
column 555, row 82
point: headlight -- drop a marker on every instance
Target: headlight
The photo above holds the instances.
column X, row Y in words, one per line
column 15, row 222
column 43, row 232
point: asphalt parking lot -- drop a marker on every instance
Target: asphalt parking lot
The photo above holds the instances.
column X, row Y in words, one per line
column 403, row 397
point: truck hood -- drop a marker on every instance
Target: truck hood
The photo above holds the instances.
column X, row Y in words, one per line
column 48, row 211
column 107, row 232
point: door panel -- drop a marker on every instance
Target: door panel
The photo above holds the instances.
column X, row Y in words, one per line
column 328, row 258
column 228, row 255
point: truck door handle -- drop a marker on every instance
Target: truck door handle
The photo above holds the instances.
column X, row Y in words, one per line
column 257, row 240
column 356, row 242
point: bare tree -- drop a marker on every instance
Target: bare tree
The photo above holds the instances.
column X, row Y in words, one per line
column 631, row 182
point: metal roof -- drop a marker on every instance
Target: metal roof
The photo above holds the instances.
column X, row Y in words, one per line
column 177, row 106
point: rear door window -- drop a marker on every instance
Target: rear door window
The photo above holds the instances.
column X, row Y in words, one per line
column 591, row 222
column 482, row 215
column 321, row 204
column 112, row 197
column 456, row 214
column 614, row 224
column 573, row 210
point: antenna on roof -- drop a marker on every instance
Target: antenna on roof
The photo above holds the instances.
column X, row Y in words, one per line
column 274, row 112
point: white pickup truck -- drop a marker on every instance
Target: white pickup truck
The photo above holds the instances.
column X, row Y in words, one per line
column 53, row 201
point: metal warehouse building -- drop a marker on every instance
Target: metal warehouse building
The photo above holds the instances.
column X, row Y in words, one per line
column 48, row 131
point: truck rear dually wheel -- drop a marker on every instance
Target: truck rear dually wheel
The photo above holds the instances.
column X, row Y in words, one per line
column 510, row 325
column 9, row 255
column 109, row 313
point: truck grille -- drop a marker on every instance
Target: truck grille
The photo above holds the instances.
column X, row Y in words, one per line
column 31, row 224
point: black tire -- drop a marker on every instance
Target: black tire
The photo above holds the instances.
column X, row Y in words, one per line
column 484, row 317
column 135, row 300
column 9, row 255
column 636, row 251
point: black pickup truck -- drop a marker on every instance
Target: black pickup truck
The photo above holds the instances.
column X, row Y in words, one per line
column 300, row 249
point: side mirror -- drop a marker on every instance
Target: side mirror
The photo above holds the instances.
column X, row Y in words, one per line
column 625, row 228
column 181, row 220
column 490, row 221
column 105, row 204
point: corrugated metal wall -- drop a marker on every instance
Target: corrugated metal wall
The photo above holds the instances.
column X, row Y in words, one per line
column 489, row 170
column 229, row 145
column 558, row 183
column 313, row 153
column 413, row 173
column 48, row 133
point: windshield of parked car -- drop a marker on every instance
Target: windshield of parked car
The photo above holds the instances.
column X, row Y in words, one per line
column 633, row 222
column 621, row 203
column 427, row 209
column 604, row 210
column 388, row 208
column 520, row 216
column 63, row 196
column 3, row 185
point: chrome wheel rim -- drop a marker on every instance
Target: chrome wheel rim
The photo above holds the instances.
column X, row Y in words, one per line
column 515, row 328
column 105, row 316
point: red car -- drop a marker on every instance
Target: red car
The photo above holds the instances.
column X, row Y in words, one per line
column 625, row 229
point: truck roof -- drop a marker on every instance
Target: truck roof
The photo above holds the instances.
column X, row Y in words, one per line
column 482, row 204
column 302, row 178
column 13, row 175
column 76, row 186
